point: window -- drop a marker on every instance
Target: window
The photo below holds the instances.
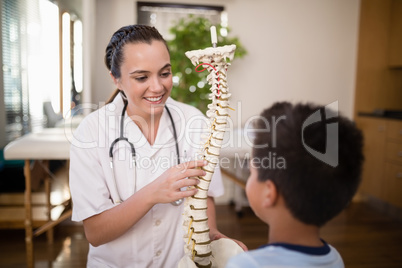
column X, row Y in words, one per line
column 31, row 65
column 29, row 54
column 71, row 87
column 163, row 15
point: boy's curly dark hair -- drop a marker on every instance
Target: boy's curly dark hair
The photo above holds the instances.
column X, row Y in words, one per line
column 313, row 190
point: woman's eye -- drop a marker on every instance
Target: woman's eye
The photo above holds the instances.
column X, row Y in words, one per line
column 141, row 78
column 166, row 74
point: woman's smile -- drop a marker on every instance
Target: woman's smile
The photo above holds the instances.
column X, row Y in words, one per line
column 154, row 100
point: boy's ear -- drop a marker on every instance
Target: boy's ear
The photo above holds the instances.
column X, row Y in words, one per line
column 270, row 194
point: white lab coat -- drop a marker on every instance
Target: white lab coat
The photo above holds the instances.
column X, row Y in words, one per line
column 157, row 239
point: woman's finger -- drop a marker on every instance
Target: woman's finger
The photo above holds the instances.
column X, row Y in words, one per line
column 241, row 244
column 187, row 193
column 194, row 172
column 220, row 235
column 192, row 164
column 187, row 182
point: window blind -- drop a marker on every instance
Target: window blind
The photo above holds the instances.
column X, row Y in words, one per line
column 30, row 63
column 14, row 85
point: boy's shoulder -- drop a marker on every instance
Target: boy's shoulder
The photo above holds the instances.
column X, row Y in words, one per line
column 277, row 255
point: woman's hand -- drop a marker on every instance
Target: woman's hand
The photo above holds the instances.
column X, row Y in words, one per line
column 215, row 235
column 167, row 187
column 112, row 223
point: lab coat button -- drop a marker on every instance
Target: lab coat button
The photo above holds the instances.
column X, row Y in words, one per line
column 158, row 253
column 158, row 222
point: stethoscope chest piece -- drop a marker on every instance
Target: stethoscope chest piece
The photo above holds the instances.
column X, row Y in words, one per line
column 178, row 202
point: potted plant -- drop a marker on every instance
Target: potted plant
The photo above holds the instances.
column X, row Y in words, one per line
column 193, row 33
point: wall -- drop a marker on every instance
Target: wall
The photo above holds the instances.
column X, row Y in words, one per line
column 298, row 51
column 88, row 44
column 74, row 7
column 109, row 16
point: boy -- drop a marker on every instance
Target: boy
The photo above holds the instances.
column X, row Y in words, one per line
column 310, row 187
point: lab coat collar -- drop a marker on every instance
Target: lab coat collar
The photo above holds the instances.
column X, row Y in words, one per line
column 164, row 136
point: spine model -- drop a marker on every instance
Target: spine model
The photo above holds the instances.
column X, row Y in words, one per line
column 198, row 244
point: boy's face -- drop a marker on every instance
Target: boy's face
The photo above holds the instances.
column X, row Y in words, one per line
column 254, row 191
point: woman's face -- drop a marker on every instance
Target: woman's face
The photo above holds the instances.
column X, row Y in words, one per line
column 146, row 78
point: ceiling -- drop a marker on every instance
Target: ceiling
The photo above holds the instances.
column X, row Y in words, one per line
column 74, row 7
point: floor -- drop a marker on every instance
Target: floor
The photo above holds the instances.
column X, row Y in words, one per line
column 365, row 238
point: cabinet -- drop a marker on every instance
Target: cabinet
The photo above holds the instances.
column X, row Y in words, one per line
column 395, row 38
column 382, row 169
column 393, row 164
column 378, row 85
column 374, row 132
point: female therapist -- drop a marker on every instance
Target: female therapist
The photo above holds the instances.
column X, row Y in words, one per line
column 126, row 182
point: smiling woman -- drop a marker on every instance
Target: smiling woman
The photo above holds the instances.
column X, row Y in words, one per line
column 126, row 206
column 146, row 80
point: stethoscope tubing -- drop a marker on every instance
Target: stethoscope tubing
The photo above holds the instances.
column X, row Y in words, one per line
column 121, row 137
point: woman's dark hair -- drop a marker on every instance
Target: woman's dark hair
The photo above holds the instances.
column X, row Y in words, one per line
column 130, row 34
column 314, row 191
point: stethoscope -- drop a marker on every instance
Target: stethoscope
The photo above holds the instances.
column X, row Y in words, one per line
column 118, row 199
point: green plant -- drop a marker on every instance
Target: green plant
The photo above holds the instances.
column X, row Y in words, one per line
column 193, row 33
